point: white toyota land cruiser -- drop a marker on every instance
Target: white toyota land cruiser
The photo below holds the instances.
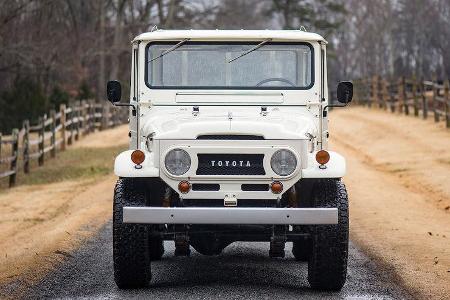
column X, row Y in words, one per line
column 228, row 142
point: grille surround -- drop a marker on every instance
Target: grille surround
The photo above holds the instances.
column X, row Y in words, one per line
column 230, row 164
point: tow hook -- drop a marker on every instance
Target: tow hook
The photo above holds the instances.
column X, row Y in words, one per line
column 230, row 201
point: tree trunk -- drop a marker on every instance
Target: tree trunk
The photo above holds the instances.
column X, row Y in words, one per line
column 101, row 49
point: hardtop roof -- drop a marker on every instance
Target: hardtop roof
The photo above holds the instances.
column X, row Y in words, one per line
column 229, row 35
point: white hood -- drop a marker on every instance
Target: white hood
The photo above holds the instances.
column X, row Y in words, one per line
column 181, row 123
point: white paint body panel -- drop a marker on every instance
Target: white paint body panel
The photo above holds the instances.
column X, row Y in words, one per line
column 227, row 98
column 227, row 35
column 291, row 120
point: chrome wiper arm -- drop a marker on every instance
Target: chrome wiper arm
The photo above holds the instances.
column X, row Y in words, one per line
column 251, row 50
column 174, row 47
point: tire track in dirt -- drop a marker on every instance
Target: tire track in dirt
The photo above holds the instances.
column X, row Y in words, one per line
column 407, row 180
column 394, row 145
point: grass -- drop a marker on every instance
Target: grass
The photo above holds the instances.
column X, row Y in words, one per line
column 76, row 163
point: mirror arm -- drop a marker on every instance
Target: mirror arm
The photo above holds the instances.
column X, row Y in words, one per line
column 324, row 112
column 127, row 104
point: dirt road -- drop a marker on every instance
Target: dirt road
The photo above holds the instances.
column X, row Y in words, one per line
column 399, row 185
column 243, row 271
column 41, row 224
column 398, row 182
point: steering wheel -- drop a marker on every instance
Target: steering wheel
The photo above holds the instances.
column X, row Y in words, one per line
column 274, row 79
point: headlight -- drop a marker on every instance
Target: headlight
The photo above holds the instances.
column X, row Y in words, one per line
column 177, row 162
column 283, row 162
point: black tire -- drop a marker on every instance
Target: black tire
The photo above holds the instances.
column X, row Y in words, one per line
column 301, row 249
column 327, row 265
column 131, row 243
column 156, row 248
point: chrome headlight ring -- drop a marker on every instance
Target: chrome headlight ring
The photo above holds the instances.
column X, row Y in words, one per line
column 177, row 162
column 283, row 162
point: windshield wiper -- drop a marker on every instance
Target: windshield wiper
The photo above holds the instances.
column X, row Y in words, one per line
column 174, row 47
column 251, row 50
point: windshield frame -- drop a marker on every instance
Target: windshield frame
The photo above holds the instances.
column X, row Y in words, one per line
column 250, row 43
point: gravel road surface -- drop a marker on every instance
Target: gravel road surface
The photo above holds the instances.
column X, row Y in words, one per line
column 243, row 271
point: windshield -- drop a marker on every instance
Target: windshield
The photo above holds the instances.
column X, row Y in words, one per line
column 211, row 65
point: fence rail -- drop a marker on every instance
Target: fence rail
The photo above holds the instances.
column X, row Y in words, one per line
column 406, row 95
column 53, row 133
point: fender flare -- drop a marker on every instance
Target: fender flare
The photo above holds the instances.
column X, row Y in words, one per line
column 124, row 167
column 335, row 168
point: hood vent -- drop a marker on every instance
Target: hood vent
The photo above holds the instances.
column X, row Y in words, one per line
column 230, row 137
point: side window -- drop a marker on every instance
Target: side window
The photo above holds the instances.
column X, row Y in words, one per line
column 322, row 74
column 135, row 74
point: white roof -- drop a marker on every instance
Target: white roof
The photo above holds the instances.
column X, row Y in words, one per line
column 226, row 35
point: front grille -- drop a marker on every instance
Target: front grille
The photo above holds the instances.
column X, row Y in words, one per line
column 230, row 137
column 254, row 187
column 205, row 187
column 230, row 164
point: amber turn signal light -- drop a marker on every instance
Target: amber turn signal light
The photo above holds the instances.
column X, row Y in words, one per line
column 322, row 157
column 184, row 187
column 276, row 187
column 138, row 157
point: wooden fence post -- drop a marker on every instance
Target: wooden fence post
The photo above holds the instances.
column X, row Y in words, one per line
column 84, row 116
column 423, row 93
column 447, row 102
column 53, row 130
column 41, row 140
column 399, row 95
column 15, row 155
column 435, row 102
column 384, row 93
column 391, row 91
column 26, row 146
column 380, row 97
column 77, row 117
column 62, row 121
column 372, row 91
column 88, row 117
column 92, row 116
column 404, row 100
column 105, row 117
column 113, row 117
column 70, row 116
column 415, row 96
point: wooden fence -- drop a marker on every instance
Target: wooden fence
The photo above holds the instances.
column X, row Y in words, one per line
column 53, row 133
column 408, row 96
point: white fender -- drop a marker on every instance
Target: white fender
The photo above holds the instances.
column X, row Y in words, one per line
column 335, row 168
column 124, row 167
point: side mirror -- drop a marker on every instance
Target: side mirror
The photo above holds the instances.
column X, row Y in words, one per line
column 345, row 92
column 114, row 91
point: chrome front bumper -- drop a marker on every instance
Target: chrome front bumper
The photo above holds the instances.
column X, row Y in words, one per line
column 226, row 215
